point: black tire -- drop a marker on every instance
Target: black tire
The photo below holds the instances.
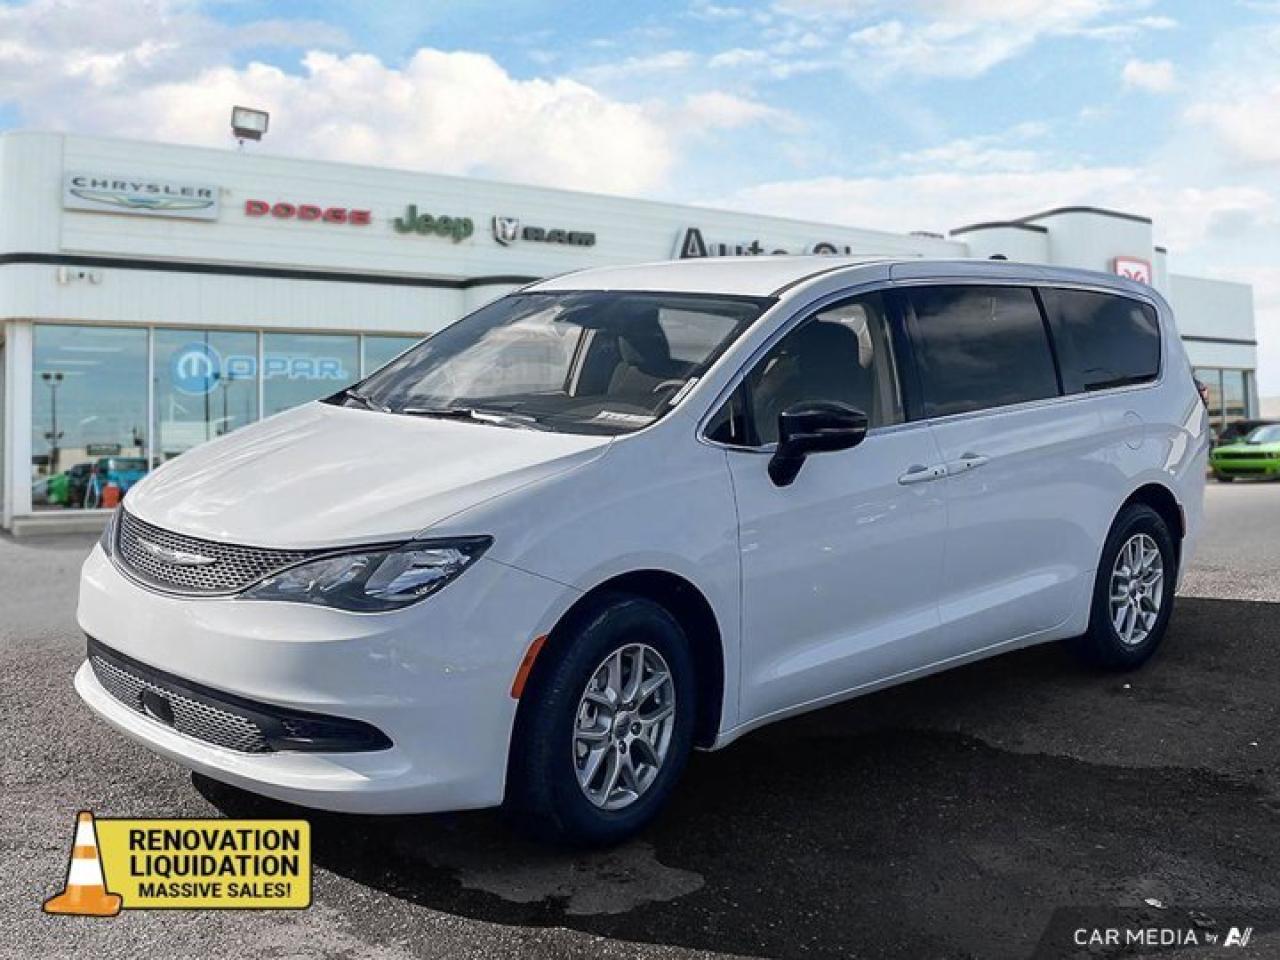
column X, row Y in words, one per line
column 1223, row 479
column 543, row 795
column 1102, row 646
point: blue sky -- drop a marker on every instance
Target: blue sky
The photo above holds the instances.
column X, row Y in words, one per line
column 898, row 114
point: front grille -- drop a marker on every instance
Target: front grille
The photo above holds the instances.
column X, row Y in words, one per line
column 224, row 719
column 1244, row 455
column 195, row 718
column 181, row 564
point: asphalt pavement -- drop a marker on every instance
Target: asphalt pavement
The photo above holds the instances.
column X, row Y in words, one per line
column 960, row 816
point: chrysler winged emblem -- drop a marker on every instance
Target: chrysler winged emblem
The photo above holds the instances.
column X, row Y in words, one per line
column 179, row 558
column 134, row 201
column 506, row 230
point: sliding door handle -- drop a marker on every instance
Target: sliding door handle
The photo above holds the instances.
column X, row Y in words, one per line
column 919, row 473
column 967, row 461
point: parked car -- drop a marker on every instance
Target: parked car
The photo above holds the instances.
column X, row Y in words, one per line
column 1237, row 430
column 124, row 472
column 78, row 477
column 629, row 511
column 1257, row 455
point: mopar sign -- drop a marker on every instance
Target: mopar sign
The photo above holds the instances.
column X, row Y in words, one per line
column 140, row 196
column 197, row 368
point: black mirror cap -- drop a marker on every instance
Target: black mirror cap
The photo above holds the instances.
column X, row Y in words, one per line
column 820, row 427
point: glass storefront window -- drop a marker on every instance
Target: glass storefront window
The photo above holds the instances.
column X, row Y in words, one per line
column 1234, row 405
column 89, row 414
column 298, row 367
column 379, row 351
column 206, row 384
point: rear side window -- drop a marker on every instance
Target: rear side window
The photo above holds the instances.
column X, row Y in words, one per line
column 978, row 347
column 1102, row 340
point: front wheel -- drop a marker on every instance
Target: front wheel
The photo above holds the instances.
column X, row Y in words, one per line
column 605, row 724
column 1133, row 591
column 1222, row 478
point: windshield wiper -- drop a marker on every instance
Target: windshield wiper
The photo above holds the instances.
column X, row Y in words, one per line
column 351, row 393
column 476, row 415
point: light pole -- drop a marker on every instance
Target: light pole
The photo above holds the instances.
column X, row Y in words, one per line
column 53, row 380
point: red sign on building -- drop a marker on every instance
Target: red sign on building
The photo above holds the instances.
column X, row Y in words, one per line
column 282, row 210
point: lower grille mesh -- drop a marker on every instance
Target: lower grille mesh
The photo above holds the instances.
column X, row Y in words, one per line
column 226, row 719
column 195, row 718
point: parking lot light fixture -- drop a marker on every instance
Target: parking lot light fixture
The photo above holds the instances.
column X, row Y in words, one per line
column 248, row 123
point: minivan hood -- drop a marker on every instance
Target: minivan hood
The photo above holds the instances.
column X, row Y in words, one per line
column 322, row 475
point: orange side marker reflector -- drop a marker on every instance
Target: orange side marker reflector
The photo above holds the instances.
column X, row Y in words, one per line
column 526, row 667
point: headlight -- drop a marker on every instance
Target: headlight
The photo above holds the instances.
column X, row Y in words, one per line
column 368, row 581
column 108, row 539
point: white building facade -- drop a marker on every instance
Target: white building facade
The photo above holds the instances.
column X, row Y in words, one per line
column 155, row 296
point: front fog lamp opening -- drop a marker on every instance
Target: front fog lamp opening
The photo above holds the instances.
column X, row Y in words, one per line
column 373, row 580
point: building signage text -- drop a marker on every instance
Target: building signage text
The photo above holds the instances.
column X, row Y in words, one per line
column 441, row 225
column 506, row 230
column 691, row 245
column 282, row 210
column 140, row 196
column 197, row 369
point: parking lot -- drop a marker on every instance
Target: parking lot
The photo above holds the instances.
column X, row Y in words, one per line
column 949, row 818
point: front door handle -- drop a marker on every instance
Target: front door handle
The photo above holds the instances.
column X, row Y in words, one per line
column 919, row 473
column 967, row 461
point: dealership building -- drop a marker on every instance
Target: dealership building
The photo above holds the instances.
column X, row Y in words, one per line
column 155, row 296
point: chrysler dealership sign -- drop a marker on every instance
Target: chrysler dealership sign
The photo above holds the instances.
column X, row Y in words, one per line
column 140, row 196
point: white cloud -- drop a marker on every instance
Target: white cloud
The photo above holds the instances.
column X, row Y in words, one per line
column 447, row 112
column 640, row 66
column 1246, row 125
column 1153, row 76
column 738, row 57
column 964, row 38
column 716, row 109
column 166, row 76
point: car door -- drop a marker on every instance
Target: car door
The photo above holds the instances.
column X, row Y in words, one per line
column 840, row 568
column 1018, row 462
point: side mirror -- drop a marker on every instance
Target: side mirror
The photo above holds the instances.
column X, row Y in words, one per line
column 813, row 428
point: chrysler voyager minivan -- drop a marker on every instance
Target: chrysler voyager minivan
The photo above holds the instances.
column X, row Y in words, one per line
column 630, row 511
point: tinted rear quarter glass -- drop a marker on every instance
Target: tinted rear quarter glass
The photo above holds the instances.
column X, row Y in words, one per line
column 977, row 347
column 1103, row 340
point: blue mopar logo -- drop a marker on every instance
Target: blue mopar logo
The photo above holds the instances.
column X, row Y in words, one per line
column 196, row 369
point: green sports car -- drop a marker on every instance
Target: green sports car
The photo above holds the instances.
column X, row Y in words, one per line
column 1257, row 455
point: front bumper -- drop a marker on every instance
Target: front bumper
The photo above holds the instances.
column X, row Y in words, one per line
column 434, row 677
column 1247, row 467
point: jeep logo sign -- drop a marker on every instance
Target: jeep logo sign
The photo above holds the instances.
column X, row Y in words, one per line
column 411, row 221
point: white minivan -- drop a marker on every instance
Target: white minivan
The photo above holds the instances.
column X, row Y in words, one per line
column 618, row 514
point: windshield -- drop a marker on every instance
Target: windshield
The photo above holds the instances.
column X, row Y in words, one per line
column 582, row 362
column 1267, row 434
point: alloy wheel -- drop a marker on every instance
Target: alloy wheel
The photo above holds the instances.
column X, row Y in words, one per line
column 1137, row 589
column 623, row 726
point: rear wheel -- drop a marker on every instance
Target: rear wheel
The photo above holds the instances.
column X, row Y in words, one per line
column 1133, row 591
column 1222, row 478
column 605, row 724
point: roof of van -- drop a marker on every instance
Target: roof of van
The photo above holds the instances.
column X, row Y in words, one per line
column 764, row 276
column 759, row 276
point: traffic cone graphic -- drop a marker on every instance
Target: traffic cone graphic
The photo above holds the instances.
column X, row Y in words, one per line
column 86, row 893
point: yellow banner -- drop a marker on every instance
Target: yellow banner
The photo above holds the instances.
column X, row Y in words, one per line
column 207, row 864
